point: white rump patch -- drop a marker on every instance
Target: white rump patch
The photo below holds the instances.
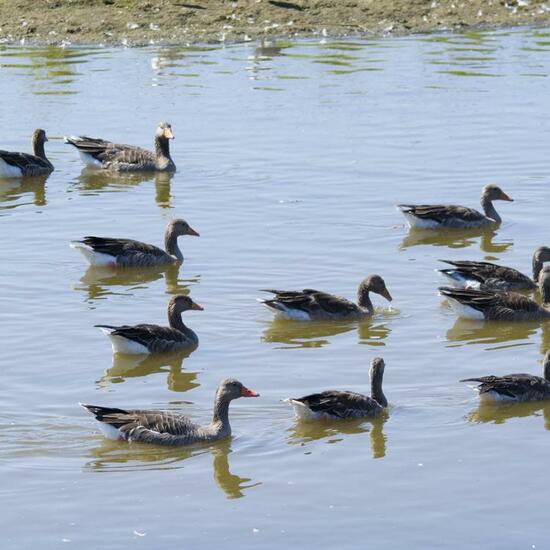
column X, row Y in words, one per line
column 495, row 397
column 9, row 171
column 459, row 280
column 303, row 412
column 124, row 345
column 465, row 311
column 287, row 313
column 93, row 257
column 110, row 432
column 420, row 223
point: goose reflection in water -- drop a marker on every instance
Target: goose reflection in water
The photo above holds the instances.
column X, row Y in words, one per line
column 111, row 456
column 457, row 238
column 501, row 413
column 134, row 366
column 93, row 180
column 304, row 432
column 11, row 190
column 492, row 332
column 315, row 334
column 98, row 282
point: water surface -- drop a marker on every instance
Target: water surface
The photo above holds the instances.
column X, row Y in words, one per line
column 291, row 158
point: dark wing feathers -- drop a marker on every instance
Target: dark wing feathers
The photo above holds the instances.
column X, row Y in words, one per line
column 512, row 385
column 442, row 212
column 27, row 163
column 117, row 247
column 312, row 301
column 153, row 337
column 342, row 404
column 107, row 151
column 489, row 273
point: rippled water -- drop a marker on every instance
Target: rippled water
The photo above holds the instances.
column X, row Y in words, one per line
column 291, row 157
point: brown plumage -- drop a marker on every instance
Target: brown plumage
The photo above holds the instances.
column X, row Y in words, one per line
column 333, row 404
column 312, row 305
column 515, row 387
column 146, row 338
column 500, row 306
column 126, row 158
column 24, row 164
column 451, row 216
column 489, row 276
column 168, row 428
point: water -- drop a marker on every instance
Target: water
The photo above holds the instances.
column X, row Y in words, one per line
column 291, row 157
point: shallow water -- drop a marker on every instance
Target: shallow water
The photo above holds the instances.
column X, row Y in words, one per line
column 291, row 157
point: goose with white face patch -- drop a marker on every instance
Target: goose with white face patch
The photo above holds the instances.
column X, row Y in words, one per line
column 145, row 338
column 514, row 387
column 489, row 276
column 15, row 165
column 333, row 404
column 99, row 153
column 168, row 428
column 500, row 306
column 106, row 251
column 314, row 305
column 438, row 216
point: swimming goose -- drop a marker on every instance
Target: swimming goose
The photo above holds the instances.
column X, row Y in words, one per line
column 146, row 338
column 335, row 404
column 489, row 276
column 126, row 158
column 13, row 165
column 168, row 428
column 500, row 306
column 514, row 387
column 451, row 216
column 105, row 251
column 314, row 305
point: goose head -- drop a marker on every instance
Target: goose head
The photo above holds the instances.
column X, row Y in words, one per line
column 373, row 283
column 181, row 227
column 39, row 136
column 164, row 131
column 376, row 371
column 540, row 256
column 494, row 193
column 179, row 304
column 230, row 389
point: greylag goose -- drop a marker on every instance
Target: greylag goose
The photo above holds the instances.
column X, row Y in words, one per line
column 146, row 338
column 489, row 276
column 500, row 306
column 335, row 404
column 514, row 387
column 314, row 305
column 14, row 165
column 450, row 216
column 168, row 428
column 126, row 158
column 105, row 251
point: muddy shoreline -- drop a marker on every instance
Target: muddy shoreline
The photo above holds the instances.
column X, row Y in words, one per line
column 139, row 22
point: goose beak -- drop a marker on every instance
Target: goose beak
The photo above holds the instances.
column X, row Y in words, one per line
column 197, row 307
column 245, row 392
column 168, row 133
column 386, row 295
column 192, row 232
column 505, row 197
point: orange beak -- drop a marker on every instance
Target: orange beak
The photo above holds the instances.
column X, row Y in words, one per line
column 192, row 232
column 386, row 295
column 505, row 197
column 168, row 133
column 197, row 307
column 245, row 392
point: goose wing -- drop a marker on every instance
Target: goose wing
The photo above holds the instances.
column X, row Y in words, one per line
column 495, row 305
column 118, row 247
column 514, row 386
column 492, row 275
column 441, row 213
column 154, row 337
column 107, row 152
column 341, row 404
column 313, row 301
column 25, row 162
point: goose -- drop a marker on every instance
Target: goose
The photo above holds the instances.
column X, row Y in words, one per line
column 106, row 251
column 489, row 276
column 314, row 305
column 500, row 306
column 126, row 158
column 450, row 216
column 146, row 338
column 168, row 428
column 335, row 404
column 14, row 165
column 514, row 387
